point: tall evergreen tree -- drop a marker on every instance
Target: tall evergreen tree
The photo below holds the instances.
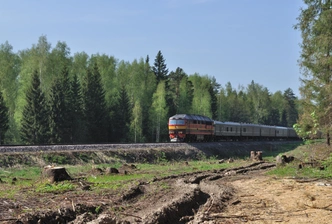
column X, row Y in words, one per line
column 35, row 122
column 315, row 23
column 4, row 119
column 95, row 109
column 60, row 109
column 290, row 107
column 122, row 117
column 76, row 118
column 160, row 68
column 213, row 90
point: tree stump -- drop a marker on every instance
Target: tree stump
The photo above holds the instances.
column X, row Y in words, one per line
column 256, row 155
column 283, row 159
column 56, row 174
column 110, row 170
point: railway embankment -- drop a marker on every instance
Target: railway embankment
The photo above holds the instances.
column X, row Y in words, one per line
column 136, row 153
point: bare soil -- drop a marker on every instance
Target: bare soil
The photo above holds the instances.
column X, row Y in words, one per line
column 239, row 195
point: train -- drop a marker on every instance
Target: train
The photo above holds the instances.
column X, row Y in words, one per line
column 199, row 128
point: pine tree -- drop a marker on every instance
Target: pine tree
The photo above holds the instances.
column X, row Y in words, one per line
column 35, row 122
column 160, row 68
column 76, row 117
column 95, row 109
column 213, row 90
column 60, row 109
column 4, row 119
column 290, row 107
column 315, row 23
column 122, row 117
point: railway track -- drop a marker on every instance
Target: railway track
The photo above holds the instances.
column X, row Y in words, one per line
column 84, row 147
column 141, row 146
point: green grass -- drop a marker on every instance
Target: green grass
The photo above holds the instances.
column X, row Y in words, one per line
column 310, row 151
column 147, row 172
column 55, row 188
column 29, row 179
column 290, row 170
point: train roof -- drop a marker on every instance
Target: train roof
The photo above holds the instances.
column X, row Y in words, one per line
column 191, row 117
column 280, row 127
column 226, row 123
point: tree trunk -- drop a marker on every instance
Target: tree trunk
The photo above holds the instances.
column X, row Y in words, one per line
column 328, row 138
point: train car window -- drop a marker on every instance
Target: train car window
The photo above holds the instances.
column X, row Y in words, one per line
column 227, row 129
column 195, row 122
column 231, row 129
column 244, row 130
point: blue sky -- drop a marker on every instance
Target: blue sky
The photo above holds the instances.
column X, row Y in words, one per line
column 234, row 41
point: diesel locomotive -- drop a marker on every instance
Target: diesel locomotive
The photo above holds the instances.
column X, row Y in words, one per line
column 195, row 128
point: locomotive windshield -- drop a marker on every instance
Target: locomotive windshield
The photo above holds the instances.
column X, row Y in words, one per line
column 178, row 122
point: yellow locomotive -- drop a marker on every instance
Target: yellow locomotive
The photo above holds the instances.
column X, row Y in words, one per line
column 190, row 128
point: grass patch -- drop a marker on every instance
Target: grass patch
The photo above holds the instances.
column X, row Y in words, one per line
column 55, row 188
column 316, row 152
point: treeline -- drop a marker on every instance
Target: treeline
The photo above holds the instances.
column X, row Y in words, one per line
column 50, row 97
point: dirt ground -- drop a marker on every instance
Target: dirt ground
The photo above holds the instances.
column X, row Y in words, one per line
column 240, row 195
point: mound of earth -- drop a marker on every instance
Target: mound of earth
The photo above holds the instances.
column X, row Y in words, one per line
column 239, row 195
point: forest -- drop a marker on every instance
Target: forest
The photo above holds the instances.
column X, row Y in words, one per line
column 49, row 96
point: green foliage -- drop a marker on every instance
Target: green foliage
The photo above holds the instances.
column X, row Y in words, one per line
column 290, row 107
column 98, row 98
column 35, row 123
column 315, row 24
column 159, row 112
column 76, row 114
column 55, row 188
column 121, row 118
column 162, row 158
column 307, row 128
column 201, row 103
column 160, row 68
column 56, row 159
column 9, row 64
column 95, row 109
column 4, row 119
column 60, row 109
